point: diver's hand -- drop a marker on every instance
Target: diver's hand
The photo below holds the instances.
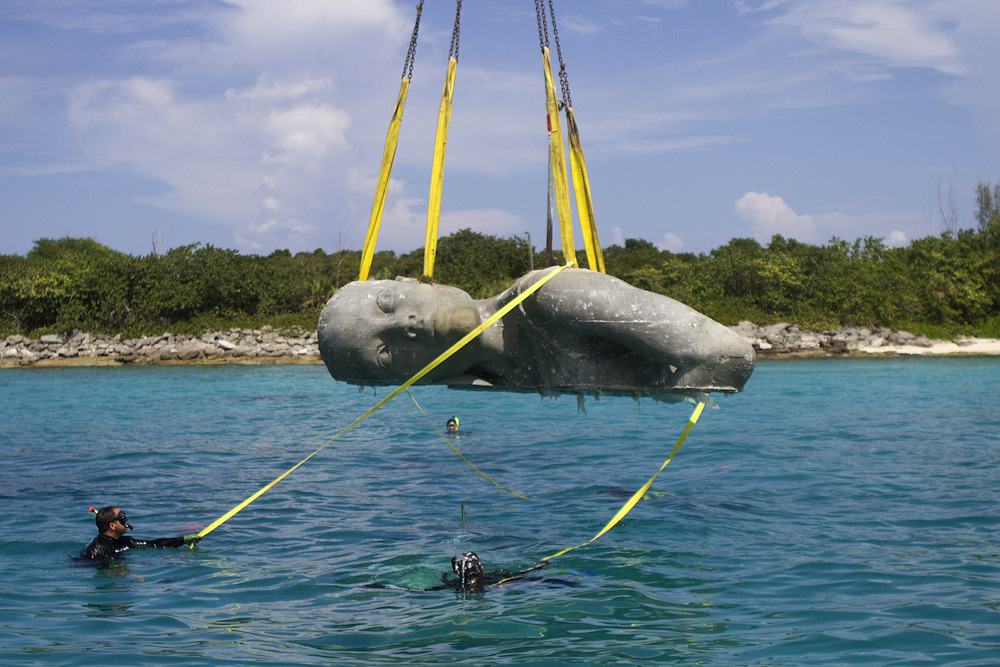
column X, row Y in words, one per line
column 192, row 538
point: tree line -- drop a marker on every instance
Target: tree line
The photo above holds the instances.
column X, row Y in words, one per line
column 937, row 285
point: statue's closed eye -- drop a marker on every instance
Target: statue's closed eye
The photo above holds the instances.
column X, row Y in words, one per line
column 385, row 301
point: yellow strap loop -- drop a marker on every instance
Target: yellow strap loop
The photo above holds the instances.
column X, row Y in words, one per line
column 584, row 201
column 627, row 507
column 516, row 301
column 378, row 205
column 459, row 454
column 437, row 170
column 558, row 161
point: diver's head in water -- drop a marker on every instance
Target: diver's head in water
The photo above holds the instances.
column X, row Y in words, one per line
column 469, row 569
column 452, row 425
column 111, row 521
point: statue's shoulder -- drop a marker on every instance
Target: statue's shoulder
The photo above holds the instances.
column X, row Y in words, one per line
column 570, row 278
column 574, row 284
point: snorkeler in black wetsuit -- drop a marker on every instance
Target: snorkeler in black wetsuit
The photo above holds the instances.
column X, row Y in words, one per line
column 472, row 576
column 111, row 540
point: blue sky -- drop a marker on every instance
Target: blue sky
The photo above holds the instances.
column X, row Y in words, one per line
column 258, row 125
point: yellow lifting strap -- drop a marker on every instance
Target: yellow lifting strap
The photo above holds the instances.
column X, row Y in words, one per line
column 627, row 507
column 514, row 303
column 558, row 162
column 437, row 170
column 584, row 201
column 389, row 153
column 378, row 205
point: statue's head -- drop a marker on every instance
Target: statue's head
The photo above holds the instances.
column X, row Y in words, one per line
column 384, row 331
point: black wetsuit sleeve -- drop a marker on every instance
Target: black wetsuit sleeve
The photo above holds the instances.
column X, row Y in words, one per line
column 103, row 546
column 161, row 543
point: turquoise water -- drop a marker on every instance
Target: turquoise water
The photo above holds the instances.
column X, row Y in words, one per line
column 838, row 512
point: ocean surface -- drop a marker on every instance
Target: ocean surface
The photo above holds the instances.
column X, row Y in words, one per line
column 838, row 512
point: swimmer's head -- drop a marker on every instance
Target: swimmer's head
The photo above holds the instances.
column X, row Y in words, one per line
column 109, row 516
column 452, row 425
column 468, row 567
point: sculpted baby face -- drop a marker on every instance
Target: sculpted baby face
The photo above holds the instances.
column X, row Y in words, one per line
column 384, row 331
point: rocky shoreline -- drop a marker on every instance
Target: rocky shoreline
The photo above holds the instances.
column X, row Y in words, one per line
column 266, row 345
column 785, row 338
column 234, row 345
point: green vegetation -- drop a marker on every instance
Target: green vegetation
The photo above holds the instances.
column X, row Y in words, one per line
column 935, row 285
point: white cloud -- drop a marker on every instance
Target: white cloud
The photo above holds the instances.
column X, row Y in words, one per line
column 305, row 132
column 238, row 158
column 270, row 160
column 617, row 236
column 671, row 242
column 898, row 238
column 769, row 215
column 280, row 35
column 296, row 145
column 900, row 33
column 269, row 118
column 581, row 25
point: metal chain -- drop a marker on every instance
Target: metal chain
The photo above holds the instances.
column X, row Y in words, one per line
column 453, row 52
column 563, row 77
column 543, row 28
column 411, row 54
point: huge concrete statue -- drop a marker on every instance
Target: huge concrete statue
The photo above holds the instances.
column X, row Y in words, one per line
column 583, row 332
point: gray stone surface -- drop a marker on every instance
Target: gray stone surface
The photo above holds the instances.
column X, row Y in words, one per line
column 583, row 332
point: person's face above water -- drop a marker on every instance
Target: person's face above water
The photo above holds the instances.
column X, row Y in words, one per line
column 119, row 525
column 383, row 330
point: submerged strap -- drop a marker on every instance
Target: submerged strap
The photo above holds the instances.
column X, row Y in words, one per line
column 627, row 507
column 516, row 301
column 458, row 453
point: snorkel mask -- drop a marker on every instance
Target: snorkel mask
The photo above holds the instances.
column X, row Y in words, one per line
column 467, row 567
column 121, row 516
